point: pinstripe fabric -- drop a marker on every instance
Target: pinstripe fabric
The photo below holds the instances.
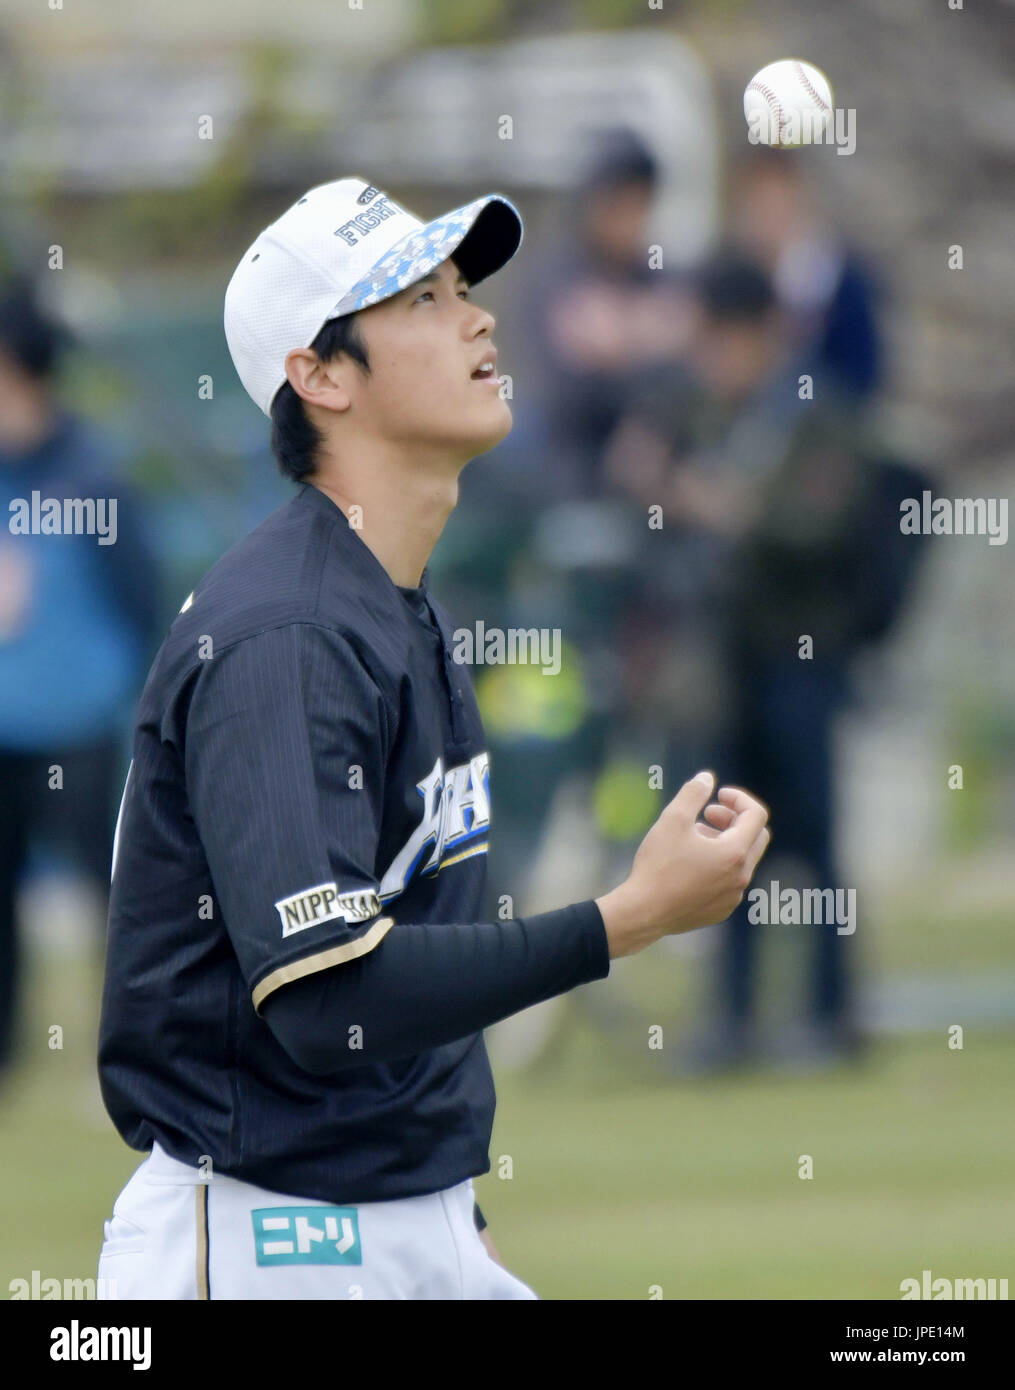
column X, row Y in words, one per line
column 308, row 764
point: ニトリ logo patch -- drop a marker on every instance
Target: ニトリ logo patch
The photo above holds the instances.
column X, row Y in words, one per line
column 306, row 1236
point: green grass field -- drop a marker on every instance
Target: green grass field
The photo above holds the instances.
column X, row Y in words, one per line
column 619, row 1186
column 619, row 1182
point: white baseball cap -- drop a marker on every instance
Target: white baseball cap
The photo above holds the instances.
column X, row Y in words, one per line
column 339, row 248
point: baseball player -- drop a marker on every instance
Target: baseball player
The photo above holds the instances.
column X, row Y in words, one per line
column 297, row 980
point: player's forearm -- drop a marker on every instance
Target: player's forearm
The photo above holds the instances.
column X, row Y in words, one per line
column 428, row 985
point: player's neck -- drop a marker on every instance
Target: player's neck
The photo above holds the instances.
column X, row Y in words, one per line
column 402, row 508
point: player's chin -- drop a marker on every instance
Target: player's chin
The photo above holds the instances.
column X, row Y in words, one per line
column 490, row 425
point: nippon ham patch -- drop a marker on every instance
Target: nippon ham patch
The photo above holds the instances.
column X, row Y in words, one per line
column 325, row 903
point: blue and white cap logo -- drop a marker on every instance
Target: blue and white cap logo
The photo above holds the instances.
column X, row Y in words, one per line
column 342, row 247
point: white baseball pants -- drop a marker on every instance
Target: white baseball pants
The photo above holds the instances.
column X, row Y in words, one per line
column 177, row 1234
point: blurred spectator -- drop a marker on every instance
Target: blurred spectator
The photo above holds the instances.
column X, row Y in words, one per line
column 76, row 622
column 596, row 312
column 789, row 522
column 828, row 291
column 593, row 314
column 694, row 434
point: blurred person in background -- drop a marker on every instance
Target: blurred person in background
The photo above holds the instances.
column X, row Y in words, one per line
column 828, row 291
column 593, row 314
column 76, row 626
column 784, row 518
column 596, row 313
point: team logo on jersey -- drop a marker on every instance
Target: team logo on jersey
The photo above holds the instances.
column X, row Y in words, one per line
column 325, row 903
column 306, row 1236
column 456, row 817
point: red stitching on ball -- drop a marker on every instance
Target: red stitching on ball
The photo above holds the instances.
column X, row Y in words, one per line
column 773, row 100
column 810, row 86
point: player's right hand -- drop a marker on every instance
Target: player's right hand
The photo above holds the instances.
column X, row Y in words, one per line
column 686, row 873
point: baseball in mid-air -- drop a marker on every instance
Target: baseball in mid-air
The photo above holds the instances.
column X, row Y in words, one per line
column 788, row 103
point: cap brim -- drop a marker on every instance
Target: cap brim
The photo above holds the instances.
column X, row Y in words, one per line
column 482, row 237
column 490, row 242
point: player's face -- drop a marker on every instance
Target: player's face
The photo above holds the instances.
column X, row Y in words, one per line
column 425, row 345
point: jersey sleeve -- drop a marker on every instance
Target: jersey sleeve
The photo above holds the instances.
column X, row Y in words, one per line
column 286, row 743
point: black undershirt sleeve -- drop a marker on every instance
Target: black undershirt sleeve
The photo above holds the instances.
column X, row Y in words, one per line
column 425, row 985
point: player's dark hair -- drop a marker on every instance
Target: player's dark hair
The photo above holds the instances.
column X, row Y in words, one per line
column 295, row 439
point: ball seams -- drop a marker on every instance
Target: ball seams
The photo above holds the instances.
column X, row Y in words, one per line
column 809, row 87
column 773, row 102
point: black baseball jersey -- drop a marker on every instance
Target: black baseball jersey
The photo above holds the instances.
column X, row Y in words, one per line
column 306, row 754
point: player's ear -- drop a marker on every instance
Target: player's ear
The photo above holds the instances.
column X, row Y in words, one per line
column 316, row 382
